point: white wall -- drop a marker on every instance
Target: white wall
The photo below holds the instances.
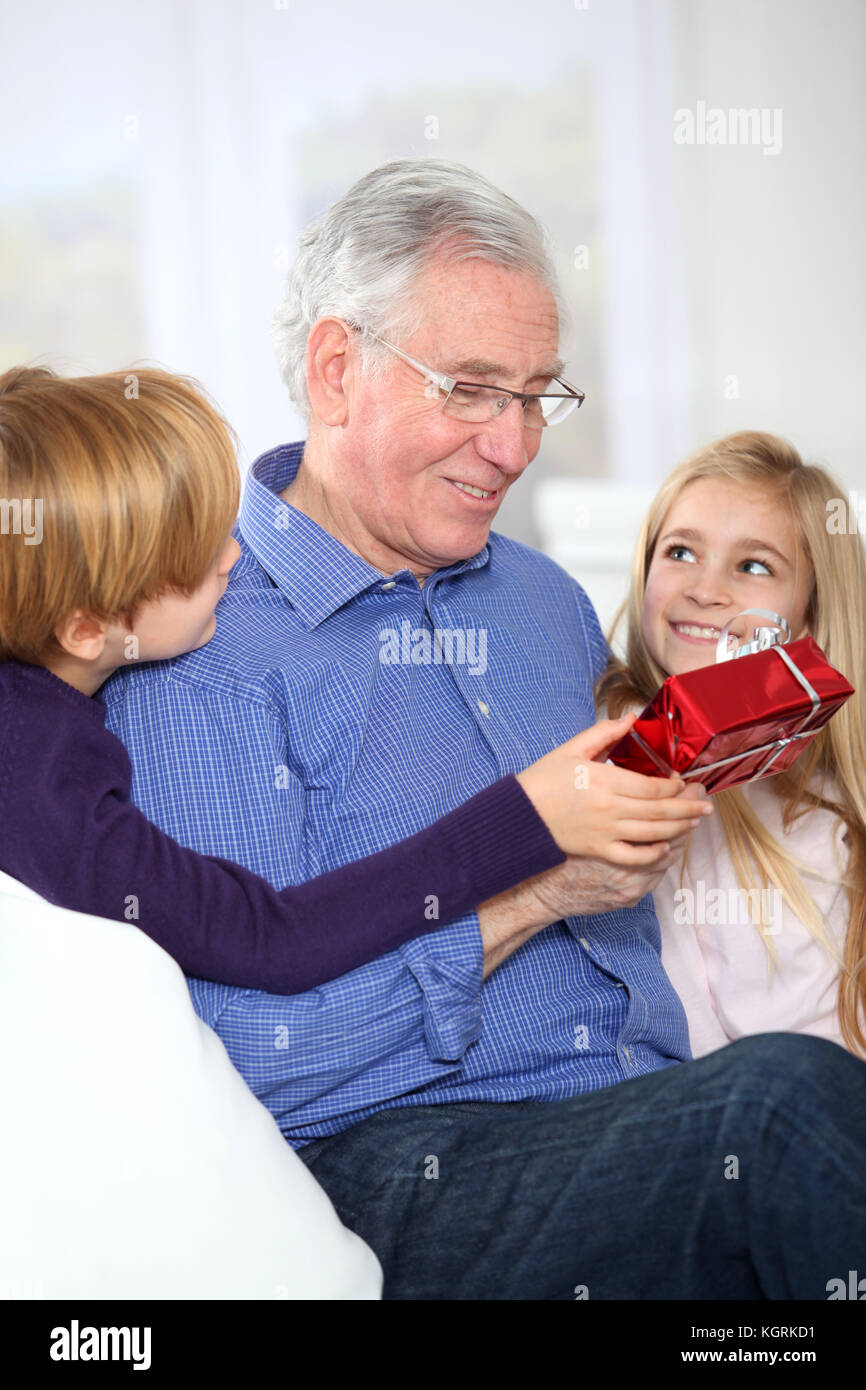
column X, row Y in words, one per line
column 706, row 263
column 772, row 247
column 757, row 264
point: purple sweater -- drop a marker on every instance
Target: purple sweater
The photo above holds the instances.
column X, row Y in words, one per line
column 69, row 831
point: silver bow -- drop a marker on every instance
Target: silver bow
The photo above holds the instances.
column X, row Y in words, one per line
column 762, row 637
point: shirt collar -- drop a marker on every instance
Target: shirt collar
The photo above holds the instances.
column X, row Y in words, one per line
column 315, row 571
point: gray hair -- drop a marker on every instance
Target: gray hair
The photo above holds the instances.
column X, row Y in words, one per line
column 361, row 259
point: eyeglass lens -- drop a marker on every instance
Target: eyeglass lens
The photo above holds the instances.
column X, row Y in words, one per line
column 476, row 403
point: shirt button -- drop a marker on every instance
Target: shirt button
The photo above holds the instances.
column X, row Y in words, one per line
column 627, row 1053
column 584, row 943
column 392, row 584
column 485, row 709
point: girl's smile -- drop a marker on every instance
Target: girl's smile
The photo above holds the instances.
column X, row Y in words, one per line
column 722, row 547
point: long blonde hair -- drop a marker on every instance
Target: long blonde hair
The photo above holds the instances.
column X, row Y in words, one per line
column 835, row 618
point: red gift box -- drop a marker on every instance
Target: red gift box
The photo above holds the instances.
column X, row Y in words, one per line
column 738, row 720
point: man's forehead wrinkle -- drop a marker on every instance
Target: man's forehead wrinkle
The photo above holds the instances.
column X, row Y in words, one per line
column 483, row 320
column 475, row 289
column 485, row 333
column 476, row 366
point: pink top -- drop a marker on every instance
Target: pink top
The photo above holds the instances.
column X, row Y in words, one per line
column 717, row 959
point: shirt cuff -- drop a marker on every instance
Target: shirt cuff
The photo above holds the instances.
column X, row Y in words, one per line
column 448, row 967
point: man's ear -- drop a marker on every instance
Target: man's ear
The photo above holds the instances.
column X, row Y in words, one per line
column 327, row 375
column 82, row 636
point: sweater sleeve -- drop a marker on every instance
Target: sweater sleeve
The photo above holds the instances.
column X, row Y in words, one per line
column 77, row 839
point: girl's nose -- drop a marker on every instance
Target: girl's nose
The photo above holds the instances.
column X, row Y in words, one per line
column 707, row 588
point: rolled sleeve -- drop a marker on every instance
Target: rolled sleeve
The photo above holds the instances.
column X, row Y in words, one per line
column 448, row 968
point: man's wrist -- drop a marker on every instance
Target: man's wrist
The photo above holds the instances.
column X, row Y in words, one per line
column 509, row 920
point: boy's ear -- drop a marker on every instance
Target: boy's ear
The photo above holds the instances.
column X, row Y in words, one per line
column 82, row 636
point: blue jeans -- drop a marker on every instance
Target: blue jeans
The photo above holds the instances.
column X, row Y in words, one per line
column 741, row 1175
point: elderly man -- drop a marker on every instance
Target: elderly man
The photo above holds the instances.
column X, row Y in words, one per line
column 505, row 1107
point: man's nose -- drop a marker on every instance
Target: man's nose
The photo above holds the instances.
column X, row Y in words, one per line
column 505, row 440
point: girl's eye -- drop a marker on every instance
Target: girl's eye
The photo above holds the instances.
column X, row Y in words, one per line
column 766, row 568
column 675, row 552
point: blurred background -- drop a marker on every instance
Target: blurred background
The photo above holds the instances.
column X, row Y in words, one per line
column 159, row 161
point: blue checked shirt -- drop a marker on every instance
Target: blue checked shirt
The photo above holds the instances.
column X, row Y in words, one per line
column 337, row 710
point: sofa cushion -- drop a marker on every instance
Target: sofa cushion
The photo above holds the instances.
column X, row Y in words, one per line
column 136, row 1163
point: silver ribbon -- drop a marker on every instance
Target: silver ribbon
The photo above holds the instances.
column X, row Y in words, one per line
column 763, row 637
column 810, row 714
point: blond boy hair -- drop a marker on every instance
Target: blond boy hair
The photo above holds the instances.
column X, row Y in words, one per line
column 133, row 479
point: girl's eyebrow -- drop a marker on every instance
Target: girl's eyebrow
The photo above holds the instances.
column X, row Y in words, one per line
column 744, row 543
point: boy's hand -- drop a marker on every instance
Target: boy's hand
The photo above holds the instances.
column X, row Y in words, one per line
column 596, row 810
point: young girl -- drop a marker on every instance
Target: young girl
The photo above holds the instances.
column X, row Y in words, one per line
column 746, row 524
column 117, row 494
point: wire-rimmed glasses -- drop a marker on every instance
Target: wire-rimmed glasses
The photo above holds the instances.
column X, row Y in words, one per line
column 474, row 402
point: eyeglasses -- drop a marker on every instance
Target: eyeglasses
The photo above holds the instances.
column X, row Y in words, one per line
column 472, row 402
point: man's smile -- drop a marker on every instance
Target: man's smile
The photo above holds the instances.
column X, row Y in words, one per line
column 484, row 496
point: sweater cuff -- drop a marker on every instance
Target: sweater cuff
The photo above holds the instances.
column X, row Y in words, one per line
column 498, row 839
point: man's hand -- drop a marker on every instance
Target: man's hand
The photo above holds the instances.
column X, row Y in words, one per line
column 580, row 886
column 590, row 884
column 584, row 885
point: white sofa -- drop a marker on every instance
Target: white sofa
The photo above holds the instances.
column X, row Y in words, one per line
column 135, row 1163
